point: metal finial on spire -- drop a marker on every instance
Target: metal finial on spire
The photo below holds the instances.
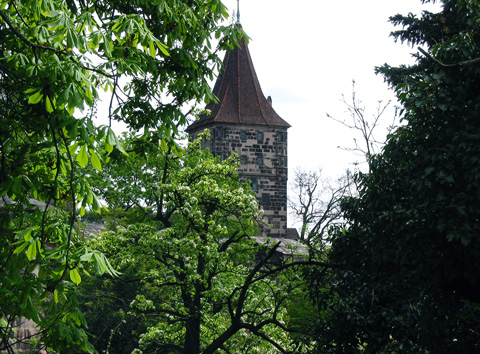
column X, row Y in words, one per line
column 238, row 11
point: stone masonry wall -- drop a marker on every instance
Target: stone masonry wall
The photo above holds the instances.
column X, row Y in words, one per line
column 263, row 160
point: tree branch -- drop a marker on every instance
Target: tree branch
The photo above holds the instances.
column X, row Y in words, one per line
column 443, row 65
column 44, row 47
column 25, row 39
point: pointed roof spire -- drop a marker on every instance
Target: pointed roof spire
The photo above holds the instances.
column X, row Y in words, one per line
column 238, row 12
column 241, row 100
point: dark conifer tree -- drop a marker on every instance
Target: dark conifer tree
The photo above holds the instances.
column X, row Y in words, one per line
column 414, row 233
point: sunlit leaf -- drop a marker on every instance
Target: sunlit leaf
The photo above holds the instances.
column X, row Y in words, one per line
column 95, row 161
column 153, row 52
column 87, row 257
column 32, row 251
column 48, row 104
column 21, row 247
column 35, row 98
column 82, row 156
column 75, row 276
column 111, row 138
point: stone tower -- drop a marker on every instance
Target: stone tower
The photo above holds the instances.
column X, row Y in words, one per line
column 244, row 122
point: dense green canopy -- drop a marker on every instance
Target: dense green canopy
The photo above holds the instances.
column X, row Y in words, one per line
column 414, row 231
column 147, row 60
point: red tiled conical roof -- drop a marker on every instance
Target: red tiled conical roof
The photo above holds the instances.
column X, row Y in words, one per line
column 241, row 100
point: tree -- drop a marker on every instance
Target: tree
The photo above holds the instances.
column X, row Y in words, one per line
column 369, row 144
column 316, row 205
column 316, row 201
column 202, row 284
column 56, row 59
column 413, row 234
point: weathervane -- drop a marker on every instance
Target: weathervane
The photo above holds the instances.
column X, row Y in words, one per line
column 238, row 11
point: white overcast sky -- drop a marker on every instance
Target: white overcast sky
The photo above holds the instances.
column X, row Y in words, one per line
column 306, row 54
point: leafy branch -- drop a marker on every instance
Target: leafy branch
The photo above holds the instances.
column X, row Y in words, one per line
column 454, row 65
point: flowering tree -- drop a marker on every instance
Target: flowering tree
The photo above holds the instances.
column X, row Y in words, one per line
column 201, row 282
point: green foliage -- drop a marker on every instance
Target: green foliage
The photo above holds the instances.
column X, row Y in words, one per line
column 413, row 242
column 302, row 315
column 193, row 277
column 56, row 59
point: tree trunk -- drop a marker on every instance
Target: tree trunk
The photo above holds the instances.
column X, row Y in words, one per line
column 192, row 335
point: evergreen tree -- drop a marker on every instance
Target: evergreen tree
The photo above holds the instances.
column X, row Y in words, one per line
column 414, row 234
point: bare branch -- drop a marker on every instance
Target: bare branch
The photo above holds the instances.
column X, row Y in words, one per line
column 315, row 203
column 369, row 145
